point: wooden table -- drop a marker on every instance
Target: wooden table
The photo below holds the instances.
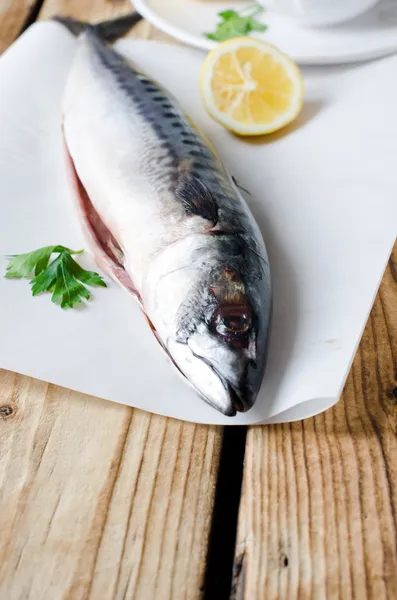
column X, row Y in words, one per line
column 101, row 501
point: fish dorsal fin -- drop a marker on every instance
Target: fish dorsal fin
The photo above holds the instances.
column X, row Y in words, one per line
column 196, row 197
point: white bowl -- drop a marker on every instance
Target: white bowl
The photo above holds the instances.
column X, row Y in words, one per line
column 319, row 13
column 370, row 35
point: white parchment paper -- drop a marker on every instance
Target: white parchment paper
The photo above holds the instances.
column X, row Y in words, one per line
column 324, row 194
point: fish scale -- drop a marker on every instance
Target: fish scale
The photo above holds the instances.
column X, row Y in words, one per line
column 186, row 143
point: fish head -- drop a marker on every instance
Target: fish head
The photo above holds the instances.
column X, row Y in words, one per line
column 221, row 334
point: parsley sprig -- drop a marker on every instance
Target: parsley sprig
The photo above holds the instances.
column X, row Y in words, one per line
column 63, row 276
column 234, row 24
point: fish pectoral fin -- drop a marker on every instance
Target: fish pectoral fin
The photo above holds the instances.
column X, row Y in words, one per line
column 240, row 187
column 196, row 197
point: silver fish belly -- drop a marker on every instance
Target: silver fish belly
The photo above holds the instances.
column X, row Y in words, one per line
column 167, row 222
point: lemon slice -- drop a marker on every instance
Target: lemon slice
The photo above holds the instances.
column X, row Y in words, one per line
column 250, row 87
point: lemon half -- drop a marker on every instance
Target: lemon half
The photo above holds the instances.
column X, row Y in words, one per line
column 250, row 87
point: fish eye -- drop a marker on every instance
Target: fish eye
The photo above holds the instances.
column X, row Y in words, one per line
column 232, row 321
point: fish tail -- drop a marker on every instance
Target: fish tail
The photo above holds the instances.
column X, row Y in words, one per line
column 109, row 30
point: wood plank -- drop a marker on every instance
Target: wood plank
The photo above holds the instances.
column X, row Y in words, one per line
column 93, row 11
column 87, row 10
column 13, row 15
column 99, row 500
column 318, row 516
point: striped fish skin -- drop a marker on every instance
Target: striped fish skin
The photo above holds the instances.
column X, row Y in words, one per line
column 166, row 220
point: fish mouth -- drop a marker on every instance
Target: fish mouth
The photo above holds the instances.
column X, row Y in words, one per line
column 240, row 401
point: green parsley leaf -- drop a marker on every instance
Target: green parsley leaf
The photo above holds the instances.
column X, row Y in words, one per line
column 228, row 14
column 256, row 26
column 63, row 277
column 234, row 25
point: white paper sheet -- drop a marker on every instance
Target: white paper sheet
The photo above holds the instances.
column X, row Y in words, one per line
column 324, row 194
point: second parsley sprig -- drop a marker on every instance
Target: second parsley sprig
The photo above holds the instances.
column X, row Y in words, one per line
column 234, row 24
column 63, row 277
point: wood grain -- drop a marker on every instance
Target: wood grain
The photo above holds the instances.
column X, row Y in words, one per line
column 99, row 501
column 13, row 16
column 318, row 516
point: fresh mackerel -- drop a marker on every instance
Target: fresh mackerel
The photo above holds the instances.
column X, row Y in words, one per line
column 166, row 220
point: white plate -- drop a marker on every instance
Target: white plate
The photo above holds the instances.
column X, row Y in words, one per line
column 371, row 35
column 323, row 193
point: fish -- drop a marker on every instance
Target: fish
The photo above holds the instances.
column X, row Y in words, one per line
column 166, row 220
